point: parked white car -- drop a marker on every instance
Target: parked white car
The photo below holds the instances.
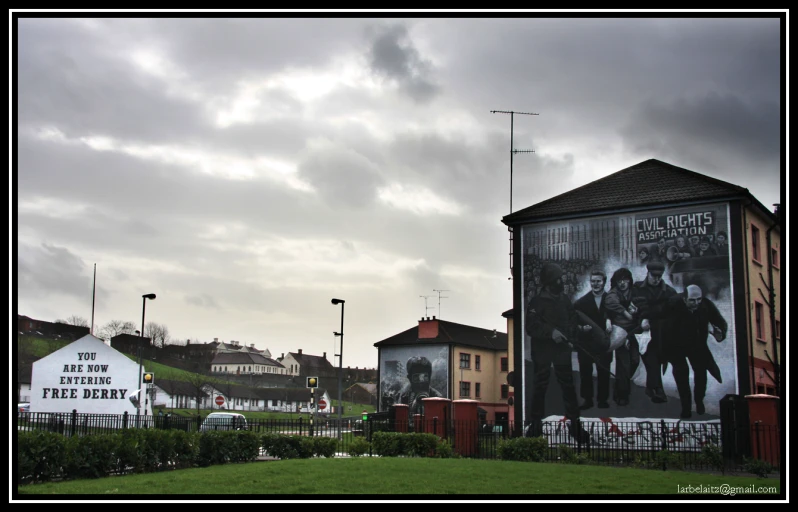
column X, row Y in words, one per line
column 23, row 407
column 224, row 421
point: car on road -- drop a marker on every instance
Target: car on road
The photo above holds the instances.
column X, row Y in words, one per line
column 224, row 421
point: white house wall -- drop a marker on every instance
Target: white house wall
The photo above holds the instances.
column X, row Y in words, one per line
column 87, row 376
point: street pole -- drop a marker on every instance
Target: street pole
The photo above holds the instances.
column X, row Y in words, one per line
column 340, row 363
column 144, row 298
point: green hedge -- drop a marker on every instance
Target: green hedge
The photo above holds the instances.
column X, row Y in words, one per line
column 529, row 449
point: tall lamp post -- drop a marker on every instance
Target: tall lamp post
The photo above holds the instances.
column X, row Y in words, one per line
column 144, row 298
column 340, row 361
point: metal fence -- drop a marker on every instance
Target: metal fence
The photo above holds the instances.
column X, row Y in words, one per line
column 639, row 444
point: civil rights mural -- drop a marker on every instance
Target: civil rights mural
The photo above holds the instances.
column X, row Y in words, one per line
column 409, row 374
column 628, row 316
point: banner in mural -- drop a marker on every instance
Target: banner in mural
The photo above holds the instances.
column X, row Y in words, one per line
column 628, row 315
column 409, row 374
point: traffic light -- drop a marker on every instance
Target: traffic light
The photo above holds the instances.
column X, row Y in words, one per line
column 312, row 382
column 365, row 416
column 149, row 377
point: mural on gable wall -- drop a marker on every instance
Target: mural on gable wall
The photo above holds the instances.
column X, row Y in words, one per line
column 668, row 351
column 409, row 374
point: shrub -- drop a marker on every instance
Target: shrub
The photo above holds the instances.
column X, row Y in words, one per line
column 359, row 446
column 569, row 456
column 528, row 449
column 668, row 459
column 419, row 445
column 712, row 457
column 387, row 444
column 444, row 450
column 40, row 455
column 246, row 446
column 760, row 468
column 91, row 456
column 325, row 446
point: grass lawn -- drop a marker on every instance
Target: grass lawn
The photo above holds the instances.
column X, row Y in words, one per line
column 477, row 479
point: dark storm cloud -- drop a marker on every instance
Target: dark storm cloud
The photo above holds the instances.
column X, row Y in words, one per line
column 252, row 258
column 716, row 134
column 393, row 56
column 50, row 269
column 84, row 89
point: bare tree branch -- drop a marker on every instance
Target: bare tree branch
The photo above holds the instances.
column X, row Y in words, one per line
column 158, row 333
column 74, row 320
column 117, row 327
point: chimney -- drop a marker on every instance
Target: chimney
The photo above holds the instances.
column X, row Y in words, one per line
column 251, row 345
column 216, row 340
column 188, row 341
column 300, row 351
column 324, row 355
column 282, row 355
column 427, row 329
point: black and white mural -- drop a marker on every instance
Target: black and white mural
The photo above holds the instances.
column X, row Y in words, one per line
column 408, row 374
column 628, row 317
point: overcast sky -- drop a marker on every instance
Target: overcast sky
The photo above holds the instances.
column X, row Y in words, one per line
column 248, row 170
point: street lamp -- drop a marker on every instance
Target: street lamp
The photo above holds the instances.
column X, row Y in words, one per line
column 340, row 361
column 144, row 298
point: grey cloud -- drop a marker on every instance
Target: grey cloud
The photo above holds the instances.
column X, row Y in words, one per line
column 393, row 56
column 202, row 300
column 50, row 269
column 343, row 177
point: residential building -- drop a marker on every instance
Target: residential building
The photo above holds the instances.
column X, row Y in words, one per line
column 245, row 363
column 636, row 219
column 464, row 362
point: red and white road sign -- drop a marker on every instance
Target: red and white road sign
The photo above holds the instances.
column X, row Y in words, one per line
column 219, row 400
column 322, row 404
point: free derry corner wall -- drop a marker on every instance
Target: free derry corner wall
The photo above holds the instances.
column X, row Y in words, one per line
column 87, row 376
column 609, row 242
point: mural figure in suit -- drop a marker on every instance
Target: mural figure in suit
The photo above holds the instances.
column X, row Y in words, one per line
column 689, row 316
column 591, row 305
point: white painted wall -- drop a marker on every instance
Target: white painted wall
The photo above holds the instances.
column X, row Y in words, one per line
column 87, row 375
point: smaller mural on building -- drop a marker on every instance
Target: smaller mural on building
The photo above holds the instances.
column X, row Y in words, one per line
column 410, row 374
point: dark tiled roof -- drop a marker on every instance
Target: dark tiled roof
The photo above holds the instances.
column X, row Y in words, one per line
column 243, row 358
column 450, row 332
column 309, row 362
column 646, row 184
column 370, row 388
column 178, row 387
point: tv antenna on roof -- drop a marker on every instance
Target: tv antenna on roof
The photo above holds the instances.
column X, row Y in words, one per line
column 426, row 308
column 439, row 301
column 512, row 152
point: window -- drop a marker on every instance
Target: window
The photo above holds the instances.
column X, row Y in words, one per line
column 505, row 391
column 759, row 319
column 465, row 360
column 755, row 242
column 774, row 258
column 504, row 364
column 477, row 390
column 477, row 367
column 465, row 389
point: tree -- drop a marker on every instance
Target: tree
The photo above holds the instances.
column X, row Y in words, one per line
column 198, row 381
column 117, row 327
column 158, row 333
column 74, row 320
